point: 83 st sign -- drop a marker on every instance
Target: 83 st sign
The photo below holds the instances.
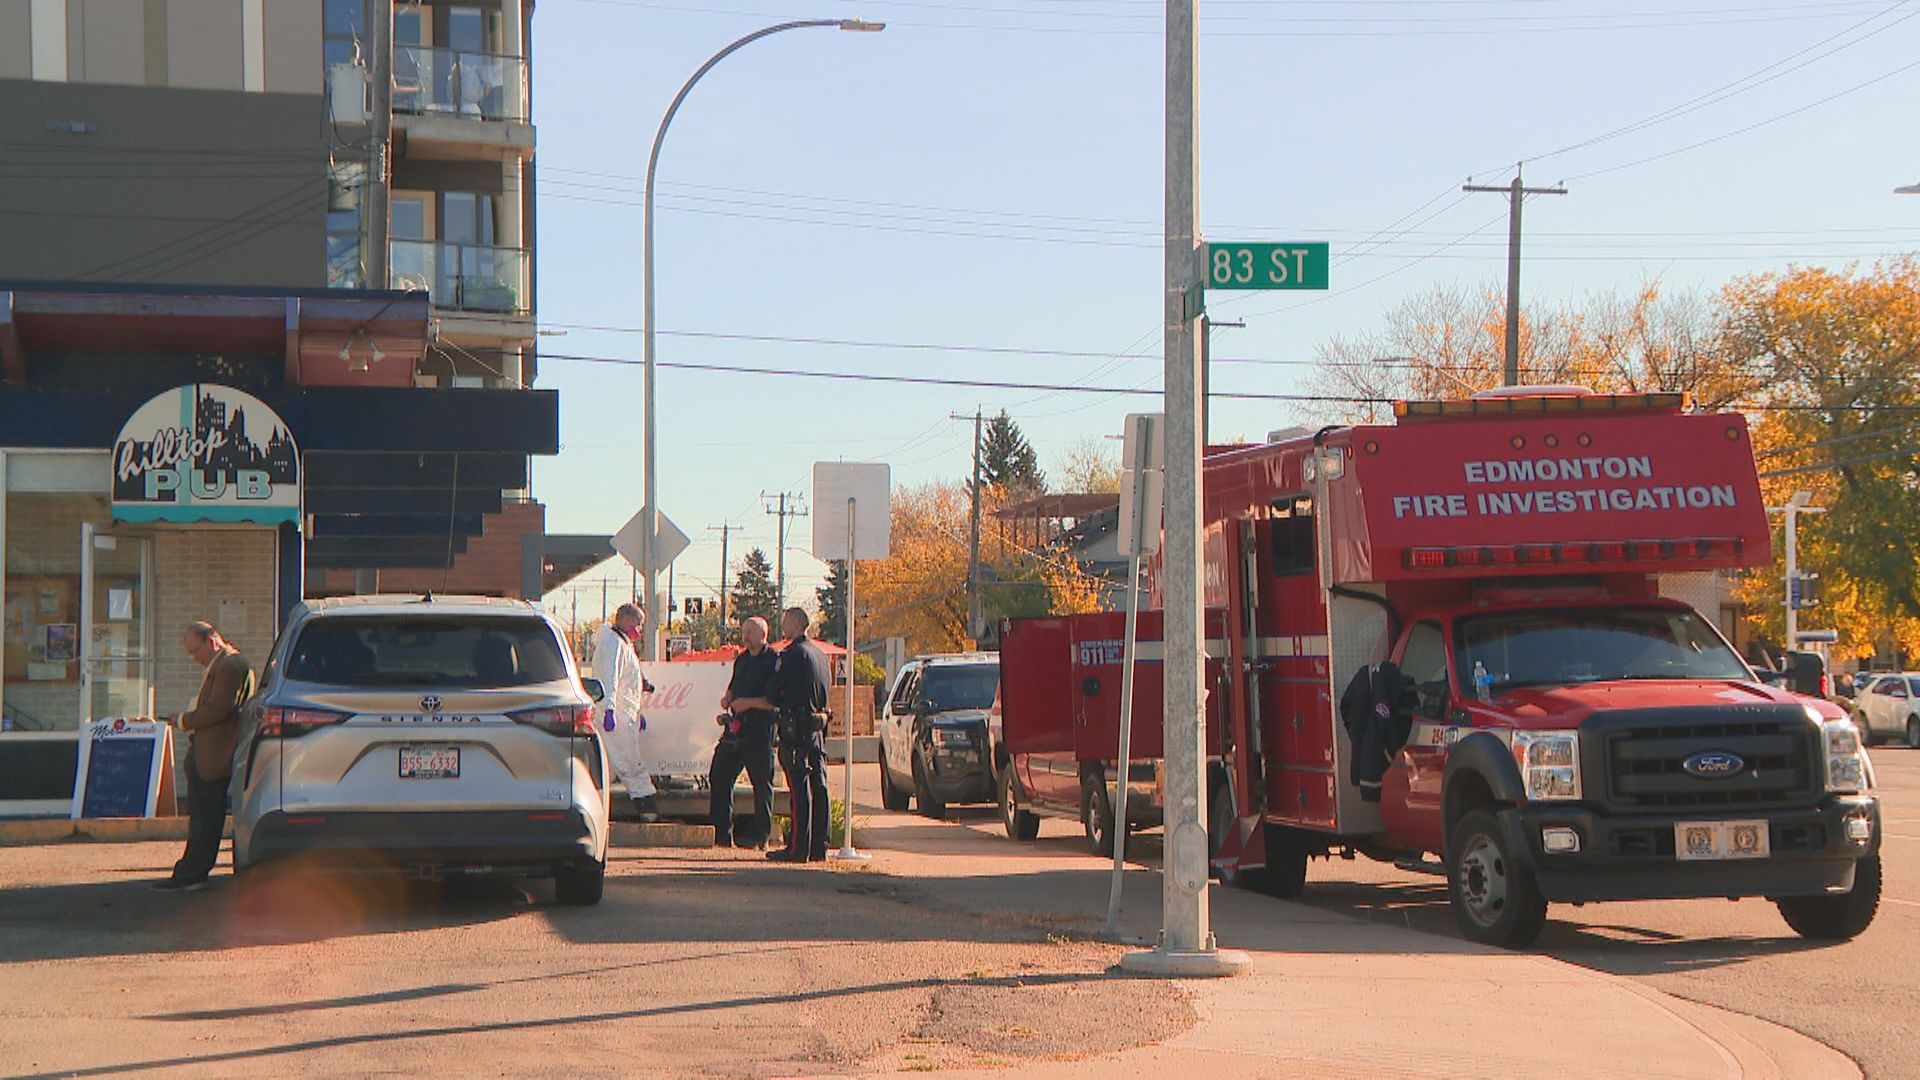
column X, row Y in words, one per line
column 1267, row 266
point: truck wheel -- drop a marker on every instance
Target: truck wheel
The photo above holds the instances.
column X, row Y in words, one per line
column 1836, row 918
column 581, row 884
column 1096, row 814
column 1286, row 875
column 892, row 795
column 1913, row 731
column 1494, row 898
column 923, row 793
column 1022, row 825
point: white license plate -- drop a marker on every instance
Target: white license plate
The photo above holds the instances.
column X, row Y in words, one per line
column 429, row 763
column 1703, row 840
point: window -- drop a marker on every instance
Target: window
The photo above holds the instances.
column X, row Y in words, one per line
column 1425, row 658
column 345, row 268
column 426, row 651
column 945, row 687
column 1564, row 647
column 1292, row 527
column 1892, row 687
column 343, row 23
column 903, row 694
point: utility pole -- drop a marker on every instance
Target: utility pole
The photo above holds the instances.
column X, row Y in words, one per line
column 377, row 191
column 1207, row 325
column 1186, row 946
column 975, row 616
column 1516, row 194
column 725, row 530
column 780, row 556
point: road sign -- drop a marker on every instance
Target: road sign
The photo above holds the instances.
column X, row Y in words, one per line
column 1143, row 461
column 668, row 541
column 695, row 607
column 1268, row 266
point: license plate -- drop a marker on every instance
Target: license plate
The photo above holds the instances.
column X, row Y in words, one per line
column 1704, row 840
column 429, row 763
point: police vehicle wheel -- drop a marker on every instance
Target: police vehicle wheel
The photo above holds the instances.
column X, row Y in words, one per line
column 1022, row 825
column 1913, row 731
column 580, row 885
column 1836, row 918
column 893, row 796
column 1096, row 814
column 923, row 793
column 1494, row 898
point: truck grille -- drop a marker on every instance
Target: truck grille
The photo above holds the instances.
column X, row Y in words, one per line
column 1645, row 758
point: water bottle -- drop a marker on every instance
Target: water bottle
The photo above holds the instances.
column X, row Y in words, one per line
column 1482, row 682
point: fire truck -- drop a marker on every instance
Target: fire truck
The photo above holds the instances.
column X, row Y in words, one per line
column 1461, row 642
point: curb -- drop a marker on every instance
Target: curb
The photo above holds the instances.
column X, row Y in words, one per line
column 663, row 834
column 111, row 830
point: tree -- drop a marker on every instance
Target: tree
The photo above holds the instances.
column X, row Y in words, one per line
column 1007, row 460
column 832, row 598
column 1836, row 353
column 754, row 590
column 706, row 629
column 1090, row 466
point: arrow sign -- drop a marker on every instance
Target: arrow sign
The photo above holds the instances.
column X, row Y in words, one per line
column 668, row 541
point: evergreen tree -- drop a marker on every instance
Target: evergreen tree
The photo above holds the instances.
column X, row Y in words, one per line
column 832, row 598
column 755, row 592
column 1008, row 460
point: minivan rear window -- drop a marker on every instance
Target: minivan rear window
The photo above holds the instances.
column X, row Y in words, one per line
column 444, row 651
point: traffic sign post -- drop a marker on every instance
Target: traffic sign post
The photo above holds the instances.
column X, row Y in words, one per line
column 1268, row 265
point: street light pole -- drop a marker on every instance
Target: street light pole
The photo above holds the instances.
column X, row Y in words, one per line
column 648, row 463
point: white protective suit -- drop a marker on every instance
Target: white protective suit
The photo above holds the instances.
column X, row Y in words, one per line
column 618, row 670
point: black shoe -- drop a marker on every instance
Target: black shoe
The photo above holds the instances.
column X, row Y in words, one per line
column 750, row 845
column 785, row 855
column 818, row 856
column 173, row 884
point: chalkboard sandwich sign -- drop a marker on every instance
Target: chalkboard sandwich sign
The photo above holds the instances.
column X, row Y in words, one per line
column 125, row 770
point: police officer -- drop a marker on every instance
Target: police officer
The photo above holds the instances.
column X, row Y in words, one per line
column 800, row 693
column 746, row 740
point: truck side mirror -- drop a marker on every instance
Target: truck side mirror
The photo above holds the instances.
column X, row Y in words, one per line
column 594, row 690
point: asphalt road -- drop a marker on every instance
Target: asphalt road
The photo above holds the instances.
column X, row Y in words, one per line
column 1861, row 997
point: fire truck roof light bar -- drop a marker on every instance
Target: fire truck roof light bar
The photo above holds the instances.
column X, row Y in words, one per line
column 1596, row 553
column 1525, row 405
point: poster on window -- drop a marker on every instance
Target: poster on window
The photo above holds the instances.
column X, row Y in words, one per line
column 206, row 452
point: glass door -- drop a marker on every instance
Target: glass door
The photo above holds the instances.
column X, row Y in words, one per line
column 115, row 646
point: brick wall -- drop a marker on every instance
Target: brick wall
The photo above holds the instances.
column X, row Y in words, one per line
column 224, row 576
column 489, row 567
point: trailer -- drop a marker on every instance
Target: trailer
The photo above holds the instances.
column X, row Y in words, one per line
column 1460, row 641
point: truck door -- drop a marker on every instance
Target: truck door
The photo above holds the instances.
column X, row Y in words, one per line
column 1410, row 792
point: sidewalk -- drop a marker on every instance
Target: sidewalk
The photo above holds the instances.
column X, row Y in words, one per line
column 1331, row 996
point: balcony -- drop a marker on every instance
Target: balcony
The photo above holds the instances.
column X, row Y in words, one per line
column 463, row 277
column 453, row 104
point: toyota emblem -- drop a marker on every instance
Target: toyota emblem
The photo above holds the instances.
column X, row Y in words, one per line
column 430, row 703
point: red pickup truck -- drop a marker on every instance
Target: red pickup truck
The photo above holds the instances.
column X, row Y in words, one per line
column 1462, row 642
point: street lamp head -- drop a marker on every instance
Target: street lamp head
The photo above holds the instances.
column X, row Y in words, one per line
column 862, row 26
column 1910, row 189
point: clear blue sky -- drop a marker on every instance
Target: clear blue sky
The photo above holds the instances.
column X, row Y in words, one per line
column 988, row 172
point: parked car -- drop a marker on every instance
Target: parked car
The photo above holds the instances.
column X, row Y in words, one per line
column 1889, row 708
column 934, row 747
column 424, row 735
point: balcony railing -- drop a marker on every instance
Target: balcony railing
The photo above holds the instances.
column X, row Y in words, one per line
column 468, row 277
column 484, row 86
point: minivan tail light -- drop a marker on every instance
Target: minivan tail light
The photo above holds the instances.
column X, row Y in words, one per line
column 566, row 720
column 293, row 723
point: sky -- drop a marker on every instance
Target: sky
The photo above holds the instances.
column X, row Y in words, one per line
column 976, row 193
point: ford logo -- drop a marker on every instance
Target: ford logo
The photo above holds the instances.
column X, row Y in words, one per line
column 1714, row 765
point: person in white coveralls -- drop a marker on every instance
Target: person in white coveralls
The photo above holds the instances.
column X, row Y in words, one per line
column 621, row 724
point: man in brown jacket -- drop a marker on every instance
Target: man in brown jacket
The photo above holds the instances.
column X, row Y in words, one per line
column 214, row 724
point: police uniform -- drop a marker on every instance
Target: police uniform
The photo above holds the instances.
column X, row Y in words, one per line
column 746, row 744
column 800, row 691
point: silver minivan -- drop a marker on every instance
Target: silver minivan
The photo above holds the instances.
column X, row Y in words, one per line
column 424, row 734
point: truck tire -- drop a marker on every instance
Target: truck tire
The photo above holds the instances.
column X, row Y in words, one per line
column 1836, row 918
column 1495, row 899
column 929, row 806
column 579, row 884
column 1286, row 873
column 1022, row 825
column 893, row 796
column 1096, row 813
column 1913, row 731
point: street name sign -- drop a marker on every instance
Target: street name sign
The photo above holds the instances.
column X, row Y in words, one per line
column 1268, row 266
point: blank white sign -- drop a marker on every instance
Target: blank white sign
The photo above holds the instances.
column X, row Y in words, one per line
column 1141, row 493
column 870, row 489
column 668, row 541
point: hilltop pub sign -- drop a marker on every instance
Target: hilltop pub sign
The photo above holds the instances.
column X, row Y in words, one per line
column 206, row 452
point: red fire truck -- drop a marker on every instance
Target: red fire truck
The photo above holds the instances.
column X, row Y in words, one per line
column 1461, row 642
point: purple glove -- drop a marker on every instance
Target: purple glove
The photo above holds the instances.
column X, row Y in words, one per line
column 607, row 724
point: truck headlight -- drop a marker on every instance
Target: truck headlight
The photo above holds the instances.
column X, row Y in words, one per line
column 1549, row 763
column 1846, row 760
column 952, row 738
